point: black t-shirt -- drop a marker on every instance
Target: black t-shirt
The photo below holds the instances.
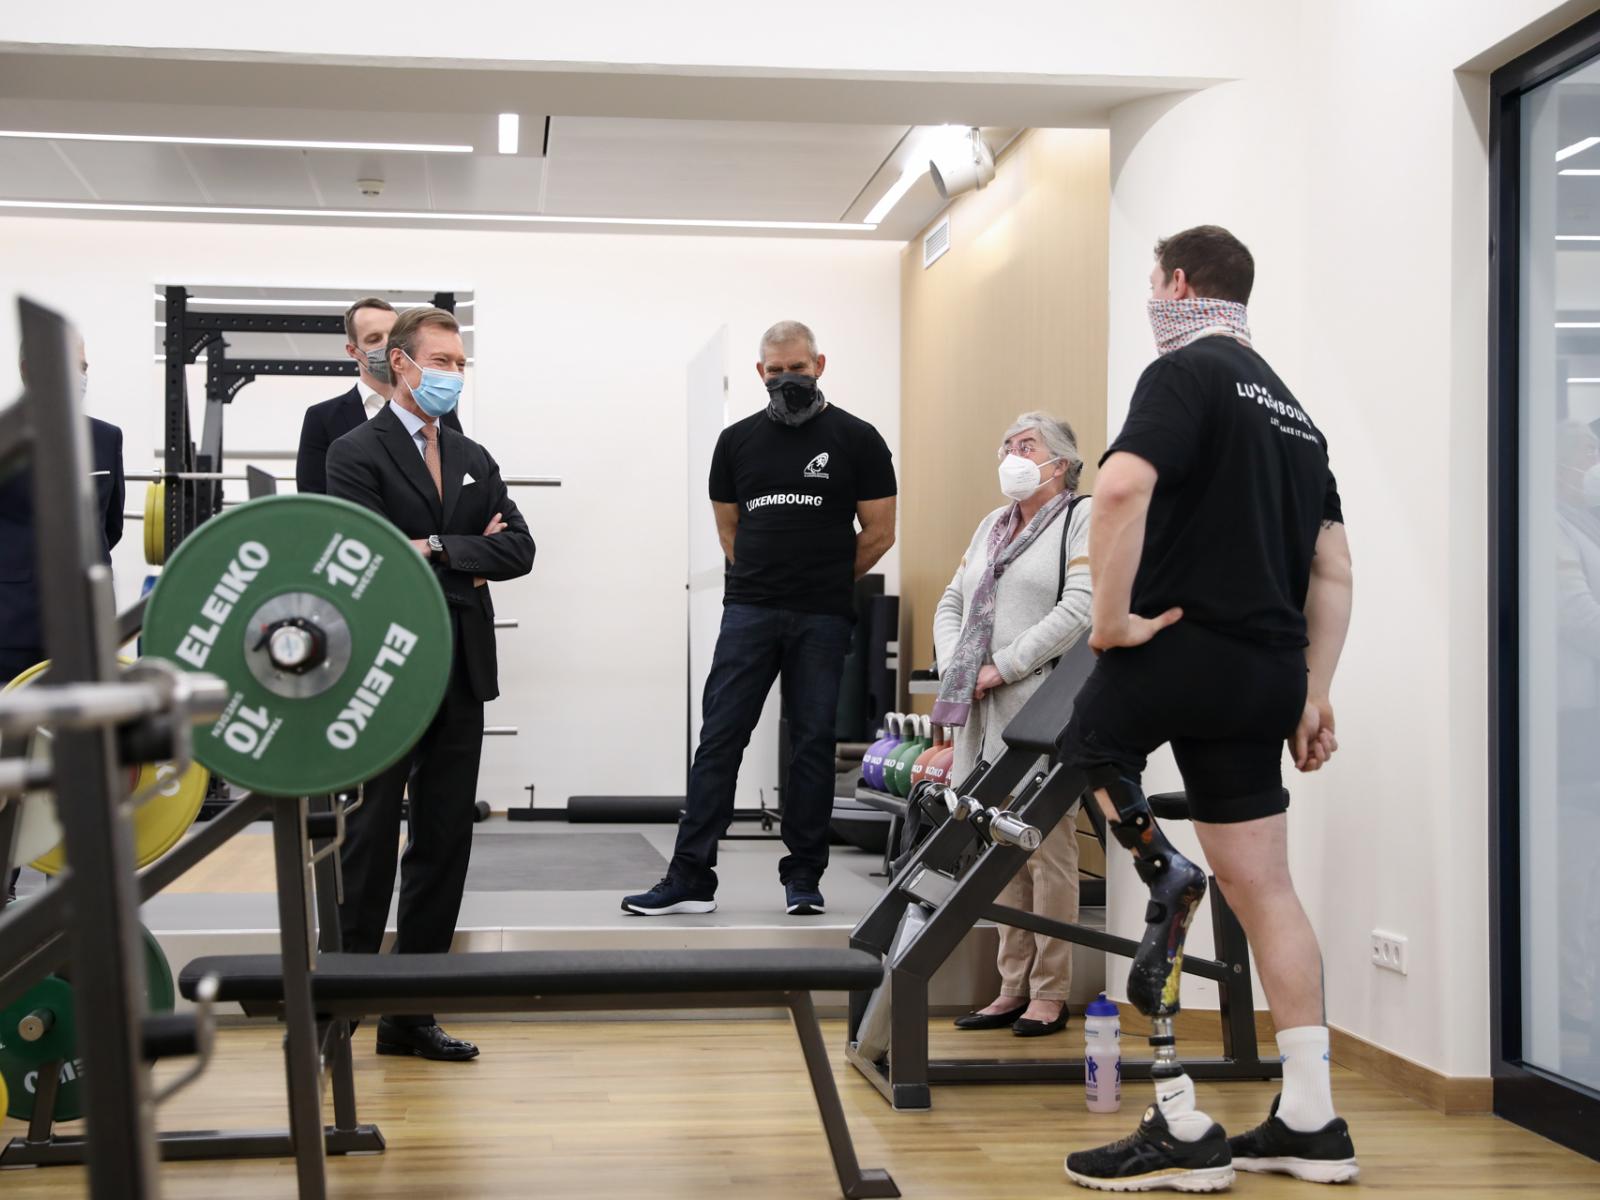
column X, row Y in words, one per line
column 797, row 490
column 1244, row 488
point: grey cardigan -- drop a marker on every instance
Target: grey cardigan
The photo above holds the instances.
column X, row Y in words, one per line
column 1030, row 628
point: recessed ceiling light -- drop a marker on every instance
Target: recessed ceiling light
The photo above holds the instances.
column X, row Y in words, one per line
column 273, row 143
column 1567, row 152
column 220, row 210
column 895, row 194
column 1578, row 324
column 1585, row 379
column 1578, row 237
column 508, row 132
column 1578, row 171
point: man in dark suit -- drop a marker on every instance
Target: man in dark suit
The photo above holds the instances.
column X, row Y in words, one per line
column 444, row 492
column 366, row 329
column 21, row 639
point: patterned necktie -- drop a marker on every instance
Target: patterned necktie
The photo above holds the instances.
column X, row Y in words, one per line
column 430, row 455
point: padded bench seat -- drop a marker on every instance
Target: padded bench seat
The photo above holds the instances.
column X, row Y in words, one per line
column 351, row 985
column 360, row 984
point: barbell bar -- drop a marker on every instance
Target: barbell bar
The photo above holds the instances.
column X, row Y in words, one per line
column 88, row 705
column 231, row 477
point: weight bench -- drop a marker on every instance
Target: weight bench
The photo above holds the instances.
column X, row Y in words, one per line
column 953, row 880
column 354, row 985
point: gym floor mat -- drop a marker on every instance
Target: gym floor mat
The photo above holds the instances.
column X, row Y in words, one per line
column 572, row 862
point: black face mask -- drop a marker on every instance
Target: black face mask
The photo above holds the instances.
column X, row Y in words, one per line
column 794, row 398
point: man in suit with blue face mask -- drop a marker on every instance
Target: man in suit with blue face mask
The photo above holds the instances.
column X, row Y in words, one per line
column 444, row 492
column 366, row 330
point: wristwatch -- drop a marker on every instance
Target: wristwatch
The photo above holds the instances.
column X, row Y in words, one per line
column 435, row 546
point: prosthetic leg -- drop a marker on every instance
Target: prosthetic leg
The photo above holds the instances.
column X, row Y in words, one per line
column 1176, row 888
column 1175, row 1146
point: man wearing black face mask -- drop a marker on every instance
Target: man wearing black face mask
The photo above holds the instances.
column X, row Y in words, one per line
column 366, row 329
column 788, row 486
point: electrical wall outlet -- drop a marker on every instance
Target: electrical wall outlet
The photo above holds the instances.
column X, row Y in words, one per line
column 1389, row 951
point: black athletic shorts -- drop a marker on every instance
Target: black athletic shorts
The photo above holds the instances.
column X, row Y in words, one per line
column 1226, row 706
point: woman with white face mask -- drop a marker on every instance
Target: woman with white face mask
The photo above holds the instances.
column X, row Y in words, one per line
column 1018, row 601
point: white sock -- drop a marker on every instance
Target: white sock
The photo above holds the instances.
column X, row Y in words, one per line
column 1175, row 1099
column 1307, row 1103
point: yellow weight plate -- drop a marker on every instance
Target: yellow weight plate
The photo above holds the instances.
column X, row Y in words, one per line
column 159, row 823
column 155, row 523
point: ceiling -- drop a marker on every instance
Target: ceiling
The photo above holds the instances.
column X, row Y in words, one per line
column 593, row 146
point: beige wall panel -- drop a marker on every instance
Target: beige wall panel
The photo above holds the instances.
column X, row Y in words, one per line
column 1011, row 318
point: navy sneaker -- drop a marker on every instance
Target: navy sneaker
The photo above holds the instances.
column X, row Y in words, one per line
column 672, row 895
column 1150, row 1158
column 1326, row 1155
column 802, row 898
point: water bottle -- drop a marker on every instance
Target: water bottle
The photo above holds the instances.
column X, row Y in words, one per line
column 1102, row 1056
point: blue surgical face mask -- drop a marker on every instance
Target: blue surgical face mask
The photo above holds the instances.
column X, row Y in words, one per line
column 438, row 391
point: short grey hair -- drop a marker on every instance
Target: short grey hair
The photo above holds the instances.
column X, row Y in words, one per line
column 1058, row 439
column 785, row 332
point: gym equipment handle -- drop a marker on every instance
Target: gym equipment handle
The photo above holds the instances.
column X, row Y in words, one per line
column 960, row 807
column 19, row 775
column 1013, row 831
column 87, row 705
column 170, row 1035
column 183, row 1035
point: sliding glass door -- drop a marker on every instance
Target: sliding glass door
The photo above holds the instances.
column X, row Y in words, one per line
column 1545, row 139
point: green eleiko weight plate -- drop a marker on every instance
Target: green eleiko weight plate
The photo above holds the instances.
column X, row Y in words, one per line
column 329, row 628
column 20, row 1060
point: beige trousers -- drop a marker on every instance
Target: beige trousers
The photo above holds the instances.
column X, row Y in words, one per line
column 1032, row 965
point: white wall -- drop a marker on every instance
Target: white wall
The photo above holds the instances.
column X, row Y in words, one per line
column 1355, row 165
column 582, row 346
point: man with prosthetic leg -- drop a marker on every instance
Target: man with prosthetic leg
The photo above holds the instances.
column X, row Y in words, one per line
column 1221, row 601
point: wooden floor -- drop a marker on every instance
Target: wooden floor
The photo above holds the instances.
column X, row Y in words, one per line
column 652, row 1110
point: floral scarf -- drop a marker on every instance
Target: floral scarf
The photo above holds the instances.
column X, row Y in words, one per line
column 1176, row 323
column 958, row 679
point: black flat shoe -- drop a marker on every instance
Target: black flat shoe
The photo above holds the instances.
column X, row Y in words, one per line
column 1023, row 1027
column 424, row 1041
column 983, row 1020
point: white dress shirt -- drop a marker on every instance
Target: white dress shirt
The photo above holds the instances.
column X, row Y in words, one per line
column 413, row 424
column 370, row 400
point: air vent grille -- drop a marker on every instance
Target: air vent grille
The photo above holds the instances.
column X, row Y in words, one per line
column 936, row 243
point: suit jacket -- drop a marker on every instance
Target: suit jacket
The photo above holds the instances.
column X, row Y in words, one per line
column 19, row 585
column 325, row 424
column 379, row 467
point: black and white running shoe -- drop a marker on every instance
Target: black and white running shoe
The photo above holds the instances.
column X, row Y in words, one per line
column 803, row 898
column 1326, row 1156
column 1150, row 1159
column 671, row 896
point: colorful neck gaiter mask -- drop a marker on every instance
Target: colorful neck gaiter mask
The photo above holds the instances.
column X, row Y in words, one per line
column 1176, row 323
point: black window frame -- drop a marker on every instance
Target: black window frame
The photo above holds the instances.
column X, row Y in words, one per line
column 1560, row 1109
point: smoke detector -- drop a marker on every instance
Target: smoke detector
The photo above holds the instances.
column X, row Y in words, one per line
column 370, row 187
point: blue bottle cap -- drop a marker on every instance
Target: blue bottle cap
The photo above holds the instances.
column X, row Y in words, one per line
column 1100, row 1007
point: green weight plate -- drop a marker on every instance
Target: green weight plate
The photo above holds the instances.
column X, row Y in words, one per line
column 48, row 1004
column 20, row 1059
column 160, row 991
column 330, row 630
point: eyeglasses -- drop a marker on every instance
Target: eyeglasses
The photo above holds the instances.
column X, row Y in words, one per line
column 1022, row 447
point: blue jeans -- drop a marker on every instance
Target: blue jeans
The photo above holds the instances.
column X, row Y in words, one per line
column 756, row 646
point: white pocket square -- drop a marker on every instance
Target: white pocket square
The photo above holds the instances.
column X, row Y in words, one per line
column 467, row 479
column 99, row 472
